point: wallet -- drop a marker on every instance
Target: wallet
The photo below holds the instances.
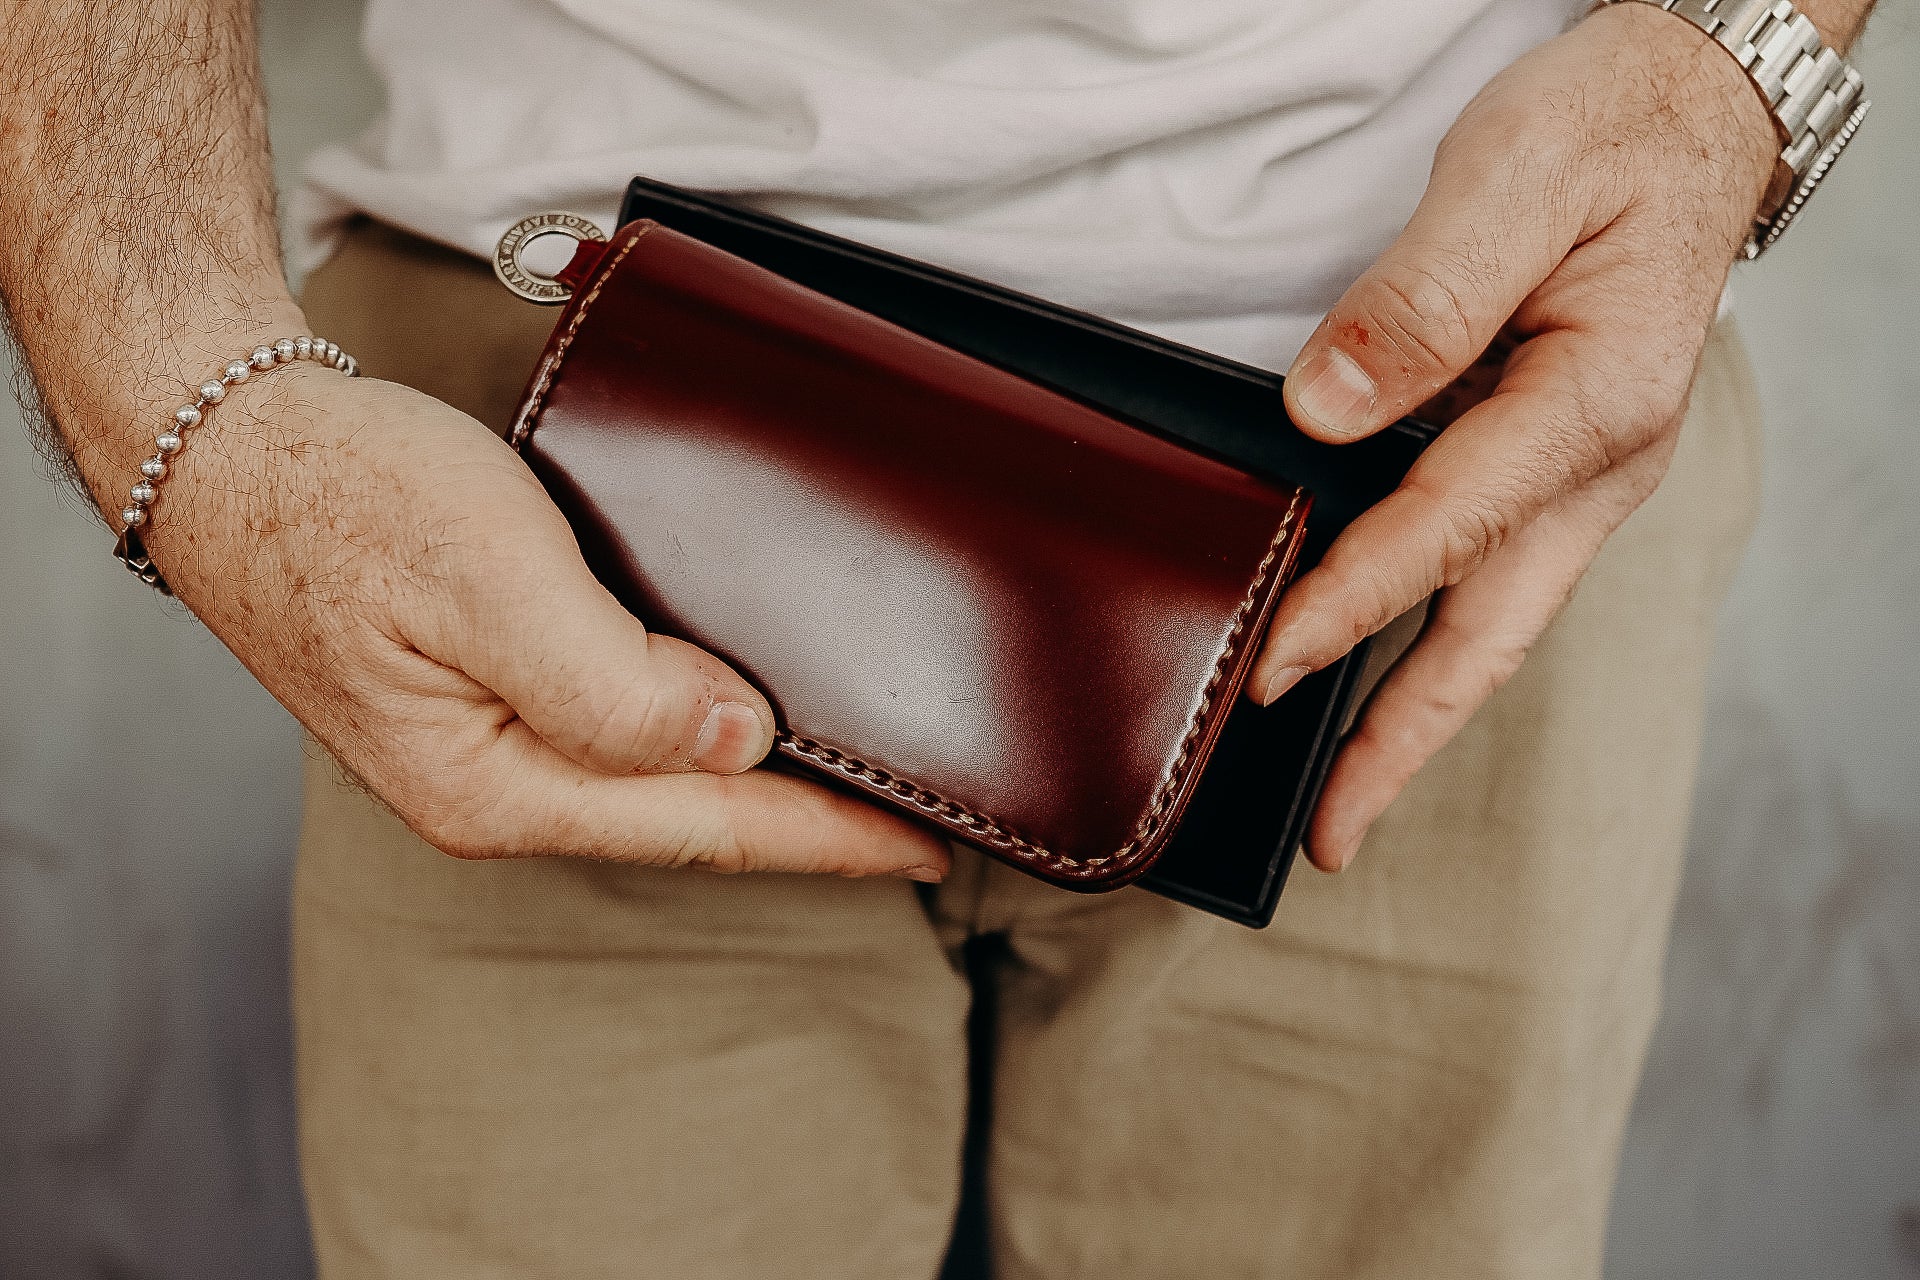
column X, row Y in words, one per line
column 997, row 565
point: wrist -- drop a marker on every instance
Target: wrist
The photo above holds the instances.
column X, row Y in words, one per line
column 1700, row 100
column 108, row 406
column 1812, row 95
column 237, row 459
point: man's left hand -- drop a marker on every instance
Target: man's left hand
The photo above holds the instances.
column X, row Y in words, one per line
column 1589, row 203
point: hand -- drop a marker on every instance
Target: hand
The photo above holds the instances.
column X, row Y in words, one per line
column 398, row 579
column 1586, row 206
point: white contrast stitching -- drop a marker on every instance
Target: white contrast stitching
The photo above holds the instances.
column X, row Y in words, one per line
column 996, row 833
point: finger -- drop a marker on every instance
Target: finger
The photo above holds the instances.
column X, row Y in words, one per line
column 594, row 682
column 519, row 797
column 1557, row 420
column 1476, row 636
column 1492, row 225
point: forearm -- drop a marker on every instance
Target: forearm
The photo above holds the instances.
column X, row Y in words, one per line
column 136, row 193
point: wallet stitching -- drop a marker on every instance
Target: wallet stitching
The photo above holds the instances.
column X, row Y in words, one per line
column 997, row 833
column 536, row 402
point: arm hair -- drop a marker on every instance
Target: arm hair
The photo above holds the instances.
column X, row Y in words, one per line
column 138, row 245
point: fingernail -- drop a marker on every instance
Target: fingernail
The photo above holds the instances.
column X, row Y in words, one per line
column 729, row 739
column 925, row 875
column 1285, row 680
column 1334, row 392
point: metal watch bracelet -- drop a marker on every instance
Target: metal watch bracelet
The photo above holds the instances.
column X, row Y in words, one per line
column 1815, row 95
column 131, row 549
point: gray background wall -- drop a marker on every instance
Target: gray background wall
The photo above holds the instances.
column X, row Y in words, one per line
column 147, row 817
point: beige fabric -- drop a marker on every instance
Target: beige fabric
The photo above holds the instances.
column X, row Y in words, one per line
column 1421, row 1069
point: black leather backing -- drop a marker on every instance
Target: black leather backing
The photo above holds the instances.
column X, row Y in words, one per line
column 1250, row 813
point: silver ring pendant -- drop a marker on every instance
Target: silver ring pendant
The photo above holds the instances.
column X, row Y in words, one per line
column 524, row 283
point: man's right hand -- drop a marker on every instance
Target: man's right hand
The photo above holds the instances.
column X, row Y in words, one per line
column 386, row 566
column 398, row 579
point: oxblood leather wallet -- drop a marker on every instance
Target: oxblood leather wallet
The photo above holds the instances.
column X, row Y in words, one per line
column 970, row 544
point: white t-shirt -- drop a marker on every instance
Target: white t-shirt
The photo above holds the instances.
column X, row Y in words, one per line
column 1214, row 170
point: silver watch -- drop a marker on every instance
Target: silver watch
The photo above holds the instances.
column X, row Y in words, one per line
column 1813, row 92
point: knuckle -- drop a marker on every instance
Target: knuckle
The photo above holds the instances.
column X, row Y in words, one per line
column 727, row 858
column 1472, row 530
column 1467, row 528
column 1539, row 164
column 1635, row 417
column 1485, row 662
column 1601, row 431
column 1382, row 740
column 1503, row 126
column 634, row 728
column 1392, row 742
column 1380, row 587
column 1595, row 444
column 1647, row 417
column 1424, row 317
column 461, row 843
column 1576, row 446
column 687, row 837
column 462, row 839
column 1363, row 592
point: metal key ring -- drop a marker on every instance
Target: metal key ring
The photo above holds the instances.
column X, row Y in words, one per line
column 527, row 284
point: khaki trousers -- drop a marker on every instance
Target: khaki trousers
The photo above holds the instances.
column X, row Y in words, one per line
column 1422, row 1069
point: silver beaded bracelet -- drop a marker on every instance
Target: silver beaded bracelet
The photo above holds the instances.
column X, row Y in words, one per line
column 131, row 549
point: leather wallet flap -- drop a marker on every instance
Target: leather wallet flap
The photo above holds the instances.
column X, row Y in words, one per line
column 968, row 597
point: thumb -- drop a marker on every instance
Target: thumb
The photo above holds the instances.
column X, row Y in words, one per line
column 590, row 679
column 1429, row 306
